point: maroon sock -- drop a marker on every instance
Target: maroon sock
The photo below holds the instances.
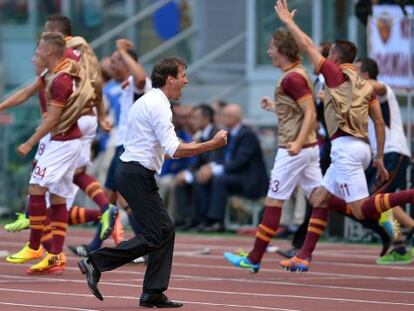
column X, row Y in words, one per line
column 59, row 226
column 317, row 225
column 47, row 238
column 339, row 206
column 81, row 215
column 37, row 217
column 377, row 204
column 92, row 188
column 265, row 232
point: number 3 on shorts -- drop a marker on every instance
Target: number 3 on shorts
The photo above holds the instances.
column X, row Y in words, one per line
column 274, row 185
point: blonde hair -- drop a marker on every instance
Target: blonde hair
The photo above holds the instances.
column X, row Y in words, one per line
column 56, row 40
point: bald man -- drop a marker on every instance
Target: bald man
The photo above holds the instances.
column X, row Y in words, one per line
column 241, row 173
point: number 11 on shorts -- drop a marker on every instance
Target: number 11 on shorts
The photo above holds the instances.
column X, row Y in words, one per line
column 344, row 189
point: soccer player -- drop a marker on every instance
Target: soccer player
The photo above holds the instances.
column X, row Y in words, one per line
column 297, row 159
column 68, row 93
column 348, row 100
column 77, row 49
column 88, row 123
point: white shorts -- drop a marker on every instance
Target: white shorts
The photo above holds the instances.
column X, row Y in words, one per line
column 290, row 171
column 88, row 125
column 345, row 176
column 41, row 147
column 69, row 201
column 56, row 167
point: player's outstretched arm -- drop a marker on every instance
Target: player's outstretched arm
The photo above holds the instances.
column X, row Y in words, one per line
column 45, row 127
column 21, row 95
column 304, row 42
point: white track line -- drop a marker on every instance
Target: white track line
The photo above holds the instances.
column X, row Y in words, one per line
column 229, row 292
column 44, row 306
column 361, row 301
column 134, row 298
column 176, row 276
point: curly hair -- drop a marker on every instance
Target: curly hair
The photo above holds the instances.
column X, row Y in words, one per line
column 286, row 45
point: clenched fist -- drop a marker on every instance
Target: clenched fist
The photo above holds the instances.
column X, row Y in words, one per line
column 268, row 104
column 24, row 149
column 220, row 139
column 124, row 44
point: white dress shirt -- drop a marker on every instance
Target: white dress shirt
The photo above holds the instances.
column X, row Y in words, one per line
column 150, row 131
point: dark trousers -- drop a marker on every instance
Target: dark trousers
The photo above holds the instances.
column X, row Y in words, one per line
column 221, row 187
column 156, row 237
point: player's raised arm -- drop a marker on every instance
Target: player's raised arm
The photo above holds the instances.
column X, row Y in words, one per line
column 304, row 42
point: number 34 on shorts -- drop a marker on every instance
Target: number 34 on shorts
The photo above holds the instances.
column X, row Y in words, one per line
column 38, row 172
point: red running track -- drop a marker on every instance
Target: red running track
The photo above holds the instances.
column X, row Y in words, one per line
column 343, row 277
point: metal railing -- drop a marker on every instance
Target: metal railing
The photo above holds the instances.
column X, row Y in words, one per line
column 185, row 34
column 220, row 51
column 128, row 23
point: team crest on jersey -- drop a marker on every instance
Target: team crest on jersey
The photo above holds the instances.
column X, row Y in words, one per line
column 384, row 25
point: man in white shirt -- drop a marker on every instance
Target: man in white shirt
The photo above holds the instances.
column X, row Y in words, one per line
column 134, row 83
column 150, row 135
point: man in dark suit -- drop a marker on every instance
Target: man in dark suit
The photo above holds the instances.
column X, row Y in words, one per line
column 242, row 172
column 190, row 209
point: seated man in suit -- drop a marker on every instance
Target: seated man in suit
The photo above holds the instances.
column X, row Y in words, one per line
column 189, row 211
column 242, row 172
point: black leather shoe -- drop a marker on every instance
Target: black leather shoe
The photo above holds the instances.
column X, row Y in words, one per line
column 157, row 301
column 92, row 276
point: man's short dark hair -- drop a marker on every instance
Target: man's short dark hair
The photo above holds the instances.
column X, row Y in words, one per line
column 325, row 47
column 206, row 111
column 346, row 51
column 65, row 25
column 370, row 66
column 164, row 68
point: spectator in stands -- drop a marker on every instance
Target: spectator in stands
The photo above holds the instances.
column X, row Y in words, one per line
column 241, row 173
column 218, row 107
column 171, row 167
column 191, row 211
